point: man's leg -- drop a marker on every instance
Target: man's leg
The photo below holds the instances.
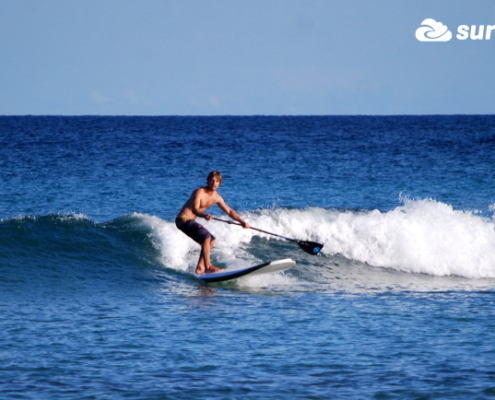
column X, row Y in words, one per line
column 204, row 257
column 201, row 268
column 204, row 262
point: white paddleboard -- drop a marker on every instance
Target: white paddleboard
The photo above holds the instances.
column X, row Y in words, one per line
column 227, row 275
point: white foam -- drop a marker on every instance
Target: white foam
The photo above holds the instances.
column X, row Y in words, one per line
column 175, row 249
column 181, row 253
column 265, row 280
column 422, row 236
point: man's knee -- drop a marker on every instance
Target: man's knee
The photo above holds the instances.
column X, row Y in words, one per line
column 209, row 241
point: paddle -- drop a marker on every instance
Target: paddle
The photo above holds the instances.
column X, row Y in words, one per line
column 309, row 247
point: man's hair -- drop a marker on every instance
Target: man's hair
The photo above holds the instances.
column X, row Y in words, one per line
column 214, row 174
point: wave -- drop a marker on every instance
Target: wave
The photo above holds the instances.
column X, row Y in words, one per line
column 420, row 237
column 72, row 252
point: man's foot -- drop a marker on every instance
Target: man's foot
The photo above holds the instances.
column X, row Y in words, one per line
column 212, row 268
column 200, row 270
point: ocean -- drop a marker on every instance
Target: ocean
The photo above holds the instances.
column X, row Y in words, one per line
column 97, row 294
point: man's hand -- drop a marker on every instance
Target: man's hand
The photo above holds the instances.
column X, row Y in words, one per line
column 208, row 217
column 245, row 225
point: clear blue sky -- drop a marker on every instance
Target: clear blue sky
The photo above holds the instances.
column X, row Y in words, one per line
column 249, row 57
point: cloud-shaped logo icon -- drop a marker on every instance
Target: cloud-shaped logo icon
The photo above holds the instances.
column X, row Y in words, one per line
column 433, row 31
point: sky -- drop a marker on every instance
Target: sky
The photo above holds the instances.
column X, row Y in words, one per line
column 246, row 57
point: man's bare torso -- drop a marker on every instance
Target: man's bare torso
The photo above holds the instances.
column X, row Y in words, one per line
column 202, row 198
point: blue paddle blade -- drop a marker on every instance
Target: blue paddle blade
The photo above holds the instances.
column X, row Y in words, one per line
column 312, row 248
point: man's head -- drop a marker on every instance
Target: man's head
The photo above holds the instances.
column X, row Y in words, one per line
column 214, row 175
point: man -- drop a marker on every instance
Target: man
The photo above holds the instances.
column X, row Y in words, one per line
column 202, row 199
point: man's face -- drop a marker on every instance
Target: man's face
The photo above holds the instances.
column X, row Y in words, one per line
column 214, row 183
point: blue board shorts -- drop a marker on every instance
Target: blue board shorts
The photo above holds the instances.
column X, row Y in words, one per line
column 195, row 231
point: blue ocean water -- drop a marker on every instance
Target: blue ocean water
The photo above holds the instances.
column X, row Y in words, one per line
column 97, row 296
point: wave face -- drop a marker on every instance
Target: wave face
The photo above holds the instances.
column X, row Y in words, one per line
column 71, row 252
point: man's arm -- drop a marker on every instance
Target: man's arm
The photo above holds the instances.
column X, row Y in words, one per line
column 231, row 213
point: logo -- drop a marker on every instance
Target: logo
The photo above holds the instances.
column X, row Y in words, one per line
column 433, row 31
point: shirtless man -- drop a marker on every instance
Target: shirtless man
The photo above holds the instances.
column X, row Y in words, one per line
column 202, row 199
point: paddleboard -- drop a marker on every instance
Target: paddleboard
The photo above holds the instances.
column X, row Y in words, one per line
column 227, row 275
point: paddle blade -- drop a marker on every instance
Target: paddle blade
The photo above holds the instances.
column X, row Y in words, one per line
column 310, row 247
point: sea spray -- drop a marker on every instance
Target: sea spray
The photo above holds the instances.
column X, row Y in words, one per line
column 179, row 252
column 421, row 236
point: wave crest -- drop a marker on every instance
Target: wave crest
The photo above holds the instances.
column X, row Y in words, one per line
column 421, row 236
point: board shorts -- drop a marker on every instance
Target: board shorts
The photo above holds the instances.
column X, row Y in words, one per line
column 195, row 231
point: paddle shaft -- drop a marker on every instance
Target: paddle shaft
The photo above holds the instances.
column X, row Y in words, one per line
column 255, row 229
column 309, row 247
